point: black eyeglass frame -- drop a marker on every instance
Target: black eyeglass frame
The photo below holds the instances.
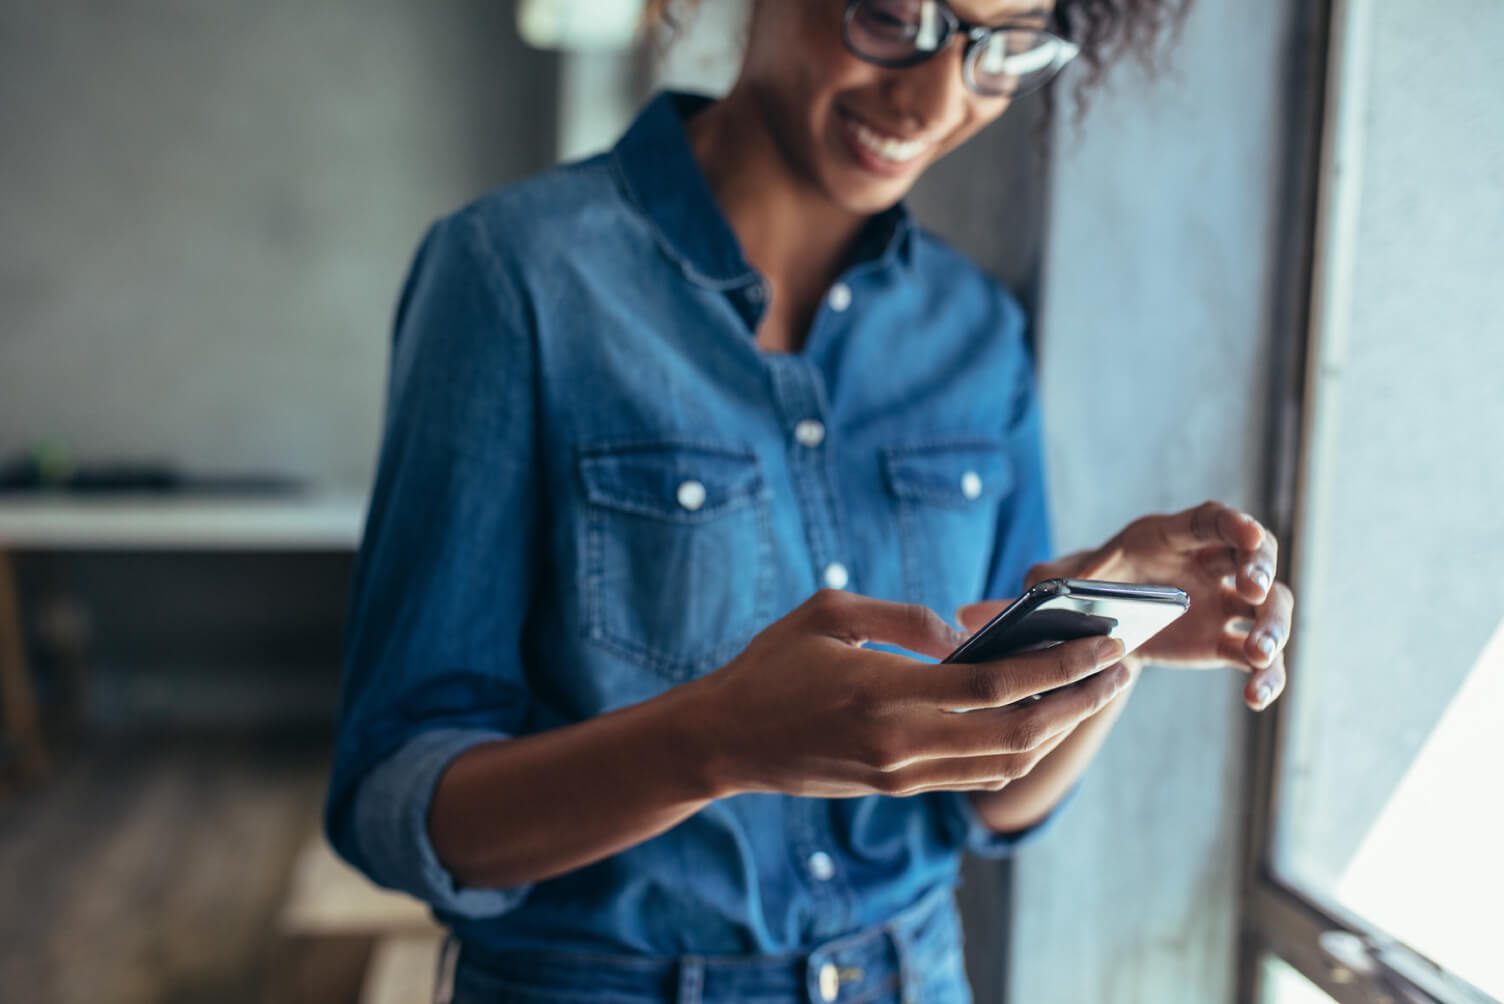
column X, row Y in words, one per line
column 976, row 35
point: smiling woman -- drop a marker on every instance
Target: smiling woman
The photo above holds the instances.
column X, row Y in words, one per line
column 686, row 446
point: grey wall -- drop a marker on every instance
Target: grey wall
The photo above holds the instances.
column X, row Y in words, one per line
column 207, row 212
column 208, row 209
column 1155, row 308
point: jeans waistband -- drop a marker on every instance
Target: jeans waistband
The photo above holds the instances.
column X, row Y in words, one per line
column 881, row 962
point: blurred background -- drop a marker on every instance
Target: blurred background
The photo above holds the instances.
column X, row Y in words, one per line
column 1268, row 274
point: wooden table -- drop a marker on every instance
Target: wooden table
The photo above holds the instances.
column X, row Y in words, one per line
column 321, row 521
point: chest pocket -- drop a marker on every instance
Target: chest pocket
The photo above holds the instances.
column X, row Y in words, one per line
column 946, row 496
column 677, row 553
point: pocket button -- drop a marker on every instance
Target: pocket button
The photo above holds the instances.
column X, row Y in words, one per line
column 836, row 576
column 971, row 485
column 691, row 495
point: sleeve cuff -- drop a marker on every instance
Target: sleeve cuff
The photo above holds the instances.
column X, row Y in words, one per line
column 391, row 825
column 976, row 837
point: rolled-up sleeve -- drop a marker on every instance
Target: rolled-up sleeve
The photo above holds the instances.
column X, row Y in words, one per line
column 432, row 644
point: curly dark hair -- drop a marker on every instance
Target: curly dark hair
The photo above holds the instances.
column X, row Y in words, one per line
column 1102, row 28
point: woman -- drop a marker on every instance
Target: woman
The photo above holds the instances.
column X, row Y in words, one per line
column 673, row 434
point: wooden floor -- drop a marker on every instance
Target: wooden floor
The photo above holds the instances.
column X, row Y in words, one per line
column 151, row 873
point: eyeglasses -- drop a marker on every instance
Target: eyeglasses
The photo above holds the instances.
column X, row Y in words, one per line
column 999, row 61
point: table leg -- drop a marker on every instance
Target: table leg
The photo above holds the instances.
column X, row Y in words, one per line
column 17, row 699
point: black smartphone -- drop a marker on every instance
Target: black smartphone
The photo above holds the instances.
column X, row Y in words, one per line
column 1061, row 610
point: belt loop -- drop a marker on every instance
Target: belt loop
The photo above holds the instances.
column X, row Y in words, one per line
column 691, row 979
column 907, row 978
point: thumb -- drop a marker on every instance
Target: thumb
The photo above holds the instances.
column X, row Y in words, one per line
column 859, row 619
column 974, row 615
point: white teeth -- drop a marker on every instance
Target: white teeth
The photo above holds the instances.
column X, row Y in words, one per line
column 887, row 147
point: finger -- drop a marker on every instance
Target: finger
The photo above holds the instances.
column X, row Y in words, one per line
column 1004, row 681
column 990, row 772
column 857, row 619
column 1237, row 613
column 1016, row 729
column 974, row 616
column 1267, row 684
column 1271, row 627
column 1258, row 568
column 1211, row 523
column 1217, row 565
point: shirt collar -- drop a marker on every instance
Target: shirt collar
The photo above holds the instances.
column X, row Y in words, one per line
column 661, row 176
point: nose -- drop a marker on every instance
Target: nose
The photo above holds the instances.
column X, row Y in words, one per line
column 933, row 92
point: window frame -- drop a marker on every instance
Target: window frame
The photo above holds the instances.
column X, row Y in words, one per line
column 1350, row 959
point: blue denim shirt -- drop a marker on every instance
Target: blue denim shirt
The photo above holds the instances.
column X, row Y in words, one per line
column 593, row 485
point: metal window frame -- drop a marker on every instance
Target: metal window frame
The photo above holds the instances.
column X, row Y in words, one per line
column 1340, row 952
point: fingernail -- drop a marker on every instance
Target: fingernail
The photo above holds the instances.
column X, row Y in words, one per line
column 1109, row 650
column 1266, row 645
column 1260, row 575
column 1264, row 695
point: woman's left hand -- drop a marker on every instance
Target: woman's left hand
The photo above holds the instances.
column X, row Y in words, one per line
column 1226, row 561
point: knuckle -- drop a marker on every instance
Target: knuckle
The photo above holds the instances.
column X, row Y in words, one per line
column 1027, row 733
column 864, row 701
column 985, row 685
column 882, row 753
column 1074, row 662
column 827, row 602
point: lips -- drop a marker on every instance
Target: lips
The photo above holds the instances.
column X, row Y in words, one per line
column 880, row 152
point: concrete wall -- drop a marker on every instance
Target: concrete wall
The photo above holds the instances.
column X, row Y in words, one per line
column 208, row 209
column 1155, row 309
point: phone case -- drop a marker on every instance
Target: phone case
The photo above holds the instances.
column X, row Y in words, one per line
column 1059, row 610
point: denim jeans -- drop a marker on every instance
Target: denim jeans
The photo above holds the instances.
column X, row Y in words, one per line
column 912, row 958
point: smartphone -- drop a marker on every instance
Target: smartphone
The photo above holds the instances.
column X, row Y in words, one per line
column 1061, row 610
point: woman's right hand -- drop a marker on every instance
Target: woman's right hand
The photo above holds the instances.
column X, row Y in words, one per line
column 805, row 709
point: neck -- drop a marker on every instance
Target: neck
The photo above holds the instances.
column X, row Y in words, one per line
column 789, row 230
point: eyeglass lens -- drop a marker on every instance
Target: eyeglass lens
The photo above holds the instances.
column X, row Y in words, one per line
column 906, row 32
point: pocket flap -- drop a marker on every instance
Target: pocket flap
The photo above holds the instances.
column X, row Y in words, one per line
column 682, row 482
column 953, row 474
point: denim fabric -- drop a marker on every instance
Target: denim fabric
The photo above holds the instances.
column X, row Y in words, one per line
column 915, row 957
column 592, row 486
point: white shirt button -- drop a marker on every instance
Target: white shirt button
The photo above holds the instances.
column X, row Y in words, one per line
column 757, row 292
column 691, row 495
column 830, row 982
column 809, row 433
column 840, row 297
column 836, row 575
column 821, row 866
column 971, row 485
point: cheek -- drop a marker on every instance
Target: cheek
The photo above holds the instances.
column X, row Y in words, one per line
column 980, row 116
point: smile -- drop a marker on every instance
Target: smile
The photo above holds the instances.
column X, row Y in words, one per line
column 888, row 148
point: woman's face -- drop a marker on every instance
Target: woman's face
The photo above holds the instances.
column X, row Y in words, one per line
column 863, row 134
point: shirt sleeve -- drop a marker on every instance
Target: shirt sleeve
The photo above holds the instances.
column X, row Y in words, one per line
column 431, row 654
column 1024, row 538
column 974, row 836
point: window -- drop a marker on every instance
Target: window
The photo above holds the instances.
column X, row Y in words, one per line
column 1377, row 866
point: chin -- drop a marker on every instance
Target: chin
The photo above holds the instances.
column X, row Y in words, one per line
column 866, row 200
